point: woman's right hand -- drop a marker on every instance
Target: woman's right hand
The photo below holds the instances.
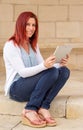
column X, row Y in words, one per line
column 50, row 61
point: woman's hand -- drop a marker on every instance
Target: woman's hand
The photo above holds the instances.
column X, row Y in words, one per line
column 64, row 61
column 49, row 62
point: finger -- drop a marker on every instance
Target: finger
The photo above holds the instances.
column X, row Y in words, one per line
column 67, row 56
column 64, row 60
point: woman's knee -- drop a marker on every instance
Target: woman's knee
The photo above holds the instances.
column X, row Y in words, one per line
column 54, row 73
column 65, row 72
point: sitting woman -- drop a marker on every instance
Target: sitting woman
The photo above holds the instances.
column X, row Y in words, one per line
column 29, row 77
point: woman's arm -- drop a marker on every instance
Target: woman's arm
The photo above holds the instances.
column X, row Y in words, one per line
column 13, row 57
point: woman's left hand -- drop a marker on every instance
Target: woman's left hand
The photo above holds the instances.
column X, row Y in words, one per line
column 64, row 61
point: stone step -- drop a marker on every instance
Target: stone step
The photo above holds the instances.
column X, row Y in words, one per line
column 68, row 103
column 2, row 68
column 10, row 107
column 2, row 81
column 62, row 106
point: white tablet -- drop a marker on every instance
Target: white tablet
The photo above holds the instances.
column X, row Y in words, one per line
column 62, row 51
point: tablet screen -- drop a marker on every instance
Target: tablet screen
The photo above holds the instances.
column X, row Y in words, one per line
column 62, row 51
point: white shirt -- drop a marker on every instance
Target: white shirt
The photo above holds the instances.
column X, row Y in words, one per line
column 14, row 64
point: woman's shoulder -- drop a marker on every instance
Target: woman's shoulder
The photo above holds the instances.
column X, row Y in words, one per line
column 10, row 45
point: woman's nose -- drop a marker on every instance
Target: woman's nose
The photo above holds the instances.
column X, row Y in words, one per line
column 31, row 27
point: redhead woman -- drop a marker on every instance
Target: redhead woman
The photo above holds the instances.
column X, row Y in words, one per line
column 30, row 78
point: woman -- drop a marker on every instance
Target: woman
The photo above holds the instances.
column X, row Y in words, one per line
column 29, row 77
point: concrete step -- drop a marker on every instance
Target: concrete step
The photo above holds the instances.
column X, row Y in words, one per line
column 68, row 103
column 62, row 106
column 10, row 107
column 2, row 68
column 2, row 81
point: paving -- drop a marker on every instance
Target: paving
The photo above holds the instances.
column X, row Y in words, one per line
column 67, row 107
column 14, row 123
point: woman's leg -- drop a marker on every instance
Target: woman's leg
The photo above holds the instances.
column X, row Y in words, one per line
column 57, row 86
column 22, row 89
column 62, row 78
column 28, row 88
column 44, row 84
column 44, row 87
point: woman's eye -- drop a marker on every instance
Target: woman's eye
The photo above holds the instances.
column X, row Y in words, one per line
column 30, row 25
column 34, row 25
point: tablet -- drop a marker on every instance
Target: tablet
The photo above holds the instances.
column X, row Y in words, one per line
column 62, row 51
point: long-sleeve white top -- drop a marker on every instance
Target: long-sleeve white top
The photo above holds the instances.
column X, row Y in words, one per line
column 14, row 64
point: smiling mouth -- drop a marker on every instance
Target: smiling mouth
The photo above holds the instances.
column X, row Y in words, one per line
column 29, row 34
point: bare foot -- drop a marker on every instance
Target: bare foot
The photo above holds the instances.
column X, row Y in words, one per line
column 33, row 117
column 45, row 114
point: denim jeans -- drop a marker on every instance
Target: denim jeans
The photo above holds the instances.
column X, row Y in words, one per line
column 39, row 90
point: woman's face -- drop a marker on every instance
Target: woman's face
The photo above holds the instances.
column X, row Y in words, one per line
column 30, row 27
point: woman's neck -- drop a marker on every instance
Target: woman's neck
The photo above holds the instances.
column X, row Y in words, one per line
column 26, row 47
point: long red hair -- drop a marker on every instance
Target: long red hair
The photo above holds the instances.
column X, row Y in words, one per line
column 19, row 35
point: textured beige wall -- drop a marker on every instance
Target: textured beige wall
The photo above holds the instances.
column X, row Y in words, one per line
column 60, row 22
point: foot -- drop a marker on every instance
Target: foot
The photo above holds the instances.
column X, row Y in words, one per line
column 33, row 117
column 45, row 115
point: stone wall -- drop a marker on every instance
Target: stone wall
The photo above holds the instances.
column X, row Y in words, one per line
column 60, row 22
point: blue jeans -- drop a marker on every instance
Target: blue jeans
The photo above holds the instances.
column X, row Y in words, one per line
column 39, row 90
